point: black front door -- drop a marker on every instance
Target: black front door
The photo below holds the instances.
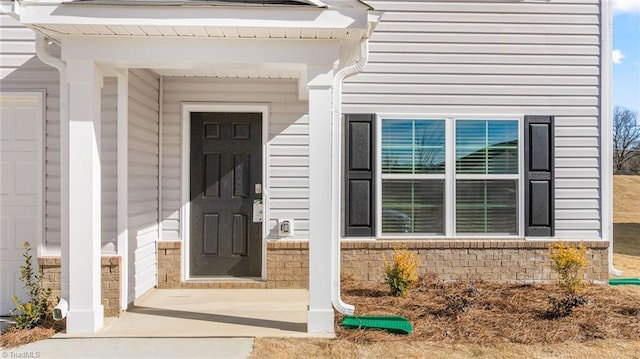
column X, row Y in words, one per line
column 226, row 165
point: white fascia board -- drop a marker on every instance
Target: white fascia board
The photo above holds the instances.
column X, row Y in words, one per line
column 152, row 52
column 34, row 13
column 10, row 8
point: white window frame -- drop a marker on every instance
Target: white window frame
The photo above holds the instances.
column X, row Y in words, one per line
column 450, row 175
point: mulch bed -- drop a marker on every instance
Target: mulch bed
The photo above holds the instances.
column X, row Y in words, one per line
column 13, row 337
column 489, row 313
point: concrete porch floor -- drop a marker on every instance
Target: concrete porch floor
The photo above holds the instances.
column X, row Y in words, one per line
column 165, row 313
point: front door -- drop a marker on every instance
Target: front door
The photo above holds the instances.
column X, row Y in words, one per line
column 226, row 167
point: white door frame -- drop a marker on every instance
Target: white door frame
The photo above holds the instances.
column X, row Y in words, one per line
column 187, row 108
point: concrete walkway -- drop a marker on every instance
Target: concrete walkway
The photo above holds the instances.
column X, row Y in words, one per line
column 80, row 348
column 184, row 323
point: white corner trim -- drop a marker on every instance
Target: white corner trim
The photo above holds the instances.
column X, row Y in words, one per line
column 186, row 109
column 606, row 131
column 123, row 185
column 160, row 152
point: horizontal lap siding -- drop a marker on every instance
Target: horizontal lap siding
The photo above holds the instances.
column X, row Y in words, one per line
column 21, row 70
column 288, row 144
column 143, row 180
column 109, row 158
column 491, row 58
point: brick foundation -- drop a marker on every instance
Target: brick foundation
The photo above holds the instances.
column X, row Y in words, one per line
column 51, row 266
column 509, row 261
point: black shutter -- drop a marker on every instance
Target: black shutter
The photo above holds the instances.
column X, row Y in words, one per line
column 359, row 173
column 539, row 176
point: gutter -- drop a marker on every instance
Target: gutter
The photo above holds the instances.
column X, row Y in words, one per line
column 338, row 304
column 43, row 53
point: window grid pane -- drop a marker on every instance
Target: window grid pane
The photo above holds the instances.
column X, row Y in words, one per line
column 486, row 147
column 413, row 206
column 486, row 206
column 413, row 146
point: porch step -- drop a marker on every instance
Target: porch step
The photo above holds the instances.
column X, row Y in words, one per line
column 232, row 284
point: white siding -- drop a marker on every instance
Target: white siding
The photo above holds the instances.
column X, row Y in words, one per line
column 492, row 58
column 143, row 181
column 288, row 144
column 108, row 155
column 21, row 70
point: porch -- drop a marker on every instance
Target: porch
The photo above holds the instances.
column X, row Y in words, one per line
column 312, row 47
column 199, row 313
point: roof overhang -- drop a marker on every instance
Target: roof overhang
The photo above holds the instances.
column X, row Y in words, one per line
column 203, row 38
column 217, row 19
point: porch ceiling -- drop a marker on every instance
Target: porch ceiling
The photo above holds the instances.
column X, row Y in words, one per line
column 220, row 32
column 260, row 71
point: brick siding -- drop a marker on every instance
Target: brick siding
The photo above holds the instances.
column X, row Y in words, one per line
column 110, row 270
column 509, row 261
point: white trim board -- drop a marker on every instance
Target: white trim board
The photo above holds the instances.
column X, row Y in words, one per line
column 186, row 109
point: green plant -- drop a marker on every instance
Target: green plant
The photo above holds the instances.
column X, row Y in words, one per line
column 569, row 262
column 35, row 311
column 401, row 272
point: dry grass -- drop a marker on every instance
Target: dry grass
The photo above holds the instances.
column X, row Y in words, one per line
column 626, row 199
column 281, row 348
column 626, row 228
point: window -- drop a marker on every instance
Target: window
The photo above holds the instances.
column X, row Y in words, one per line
column 470, row 166
column 413, row 176
column 486, row 176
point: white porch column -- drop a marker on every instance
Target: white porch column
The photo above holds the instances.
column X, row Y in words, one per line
column 83, row 259
column 320, row 313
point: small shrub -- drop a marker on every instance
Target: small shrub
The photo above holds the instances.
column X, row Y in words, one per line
column 569, row 262
column 461, row 301
column 36, row 310
column 563, row 306
column 401, row 273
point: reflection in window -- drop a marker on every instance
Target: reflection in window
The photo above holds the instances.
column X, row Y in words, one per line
column 486, row 147
column 484, row 176
column 413, row 146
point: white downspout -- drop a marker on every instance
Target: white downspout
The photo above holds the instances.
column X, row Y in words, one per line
column 338, row 304
column 606, row 147
column 42, row 51
column 160, row 154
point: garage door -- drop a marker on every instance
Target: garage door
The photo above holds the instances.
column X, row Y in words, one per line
column 21, row 178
